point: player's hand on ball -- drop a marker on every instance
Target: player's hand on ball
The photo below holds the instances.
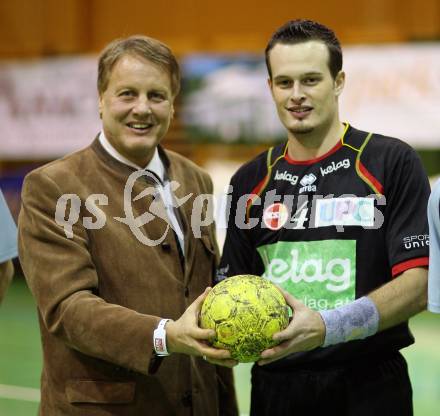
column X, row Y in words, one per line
column 305, row 332
column 186, row 337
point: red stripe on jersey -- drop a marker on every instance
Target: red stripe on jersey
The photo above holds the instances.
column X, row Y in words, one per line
column 257, row 189
column 335, row 148
column 409, row 264
column 255, row 193
column 376, row 184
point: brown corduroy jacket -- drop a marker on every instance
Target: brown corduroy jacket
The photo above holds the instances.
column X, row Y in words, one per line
column 101, row 292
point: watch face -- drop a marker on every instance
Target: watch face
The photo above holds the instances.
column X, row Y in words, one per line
column 159, row 345
column 159, row 339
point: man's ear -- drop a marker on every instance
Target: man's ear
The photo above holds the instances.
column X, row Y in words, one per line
column 100, row 105
column 270, row 84
column 172, row 111
column 339, row 83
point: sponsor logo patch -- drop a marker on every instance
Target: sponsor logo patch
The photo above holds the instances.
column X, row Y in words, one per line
column 320, row 273
column 334, row 166
column 307, row 183
column 344, row 211
column 416, row 241
column 275, row 216
column 286, row 176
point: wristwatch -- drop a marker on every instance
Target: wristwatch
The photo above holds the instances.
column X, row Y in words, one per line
column 160, row 339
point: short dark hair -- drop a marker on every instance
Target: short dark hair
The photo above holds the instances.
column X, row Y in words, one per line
column 302, row 30
column 144, row 47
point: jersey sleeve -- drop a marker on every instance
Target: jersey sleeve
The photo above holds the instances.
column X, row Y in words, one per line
column 8, row 240
column 407, row 192
column 434, row 250
column 238, row 250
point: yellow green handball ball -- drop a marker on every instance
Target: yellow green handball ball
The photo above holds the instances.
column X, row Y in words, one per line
column 245, row 311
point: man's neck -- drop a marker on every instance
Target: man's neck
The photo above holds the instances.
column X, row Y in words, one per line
column 315, row 144
column 151, row 161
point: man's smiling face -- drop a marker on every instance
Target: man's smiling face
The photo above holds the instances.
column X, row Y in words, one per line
column 136, row 107
column 304, row 91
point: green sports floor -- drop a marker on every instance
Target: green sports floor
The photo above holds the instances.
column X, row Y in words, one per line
column 20, row 359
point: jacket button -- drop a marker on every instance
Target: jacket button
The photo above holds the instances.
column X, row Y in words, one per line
column 186, row 291
column 166, row 246
column 187, row 399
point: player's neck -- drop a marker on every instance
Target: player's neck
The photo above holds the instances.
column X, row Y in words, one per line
column 314, row 144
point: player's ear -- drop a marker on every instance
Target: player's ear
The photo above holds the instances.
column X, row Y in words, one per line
column 270, row 84
column 339, row 83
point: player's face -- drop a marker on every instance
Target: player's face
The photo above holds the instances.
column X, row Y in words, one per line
column 136, row 108
column 305, row 93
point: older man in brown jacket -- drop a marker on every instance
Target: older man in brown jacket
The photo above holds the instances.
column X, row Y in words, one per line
column 116, row 239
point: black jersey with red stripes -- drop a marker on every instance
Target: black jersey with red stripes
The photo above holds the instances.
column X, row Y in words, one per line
column 331, row 229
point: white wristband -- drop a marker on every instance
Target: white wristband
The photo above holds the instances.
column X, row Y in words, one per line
column 356, row 320
column 160, row 339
